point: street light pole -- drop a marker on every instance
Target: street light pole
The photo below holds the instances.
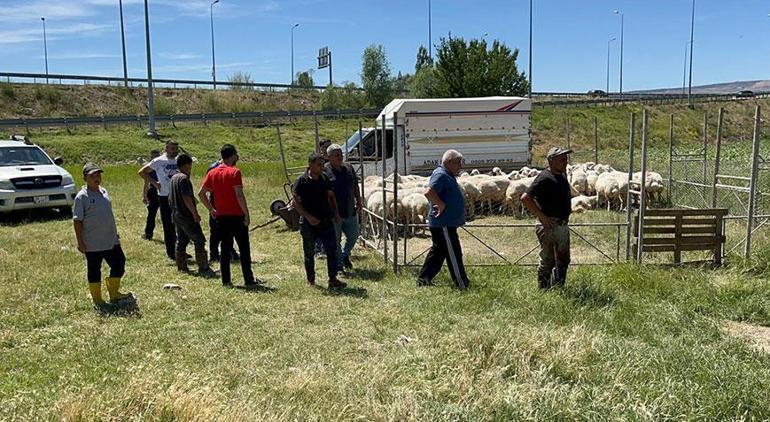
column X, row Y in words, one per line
column 684, row 72
column 150, row 100
column 430, row 34
column 213, row 60
column 622, row 19
column 692, row 32
column 530, row 48
column 608, row 63
column 45, row 51
column 292, row 52
column 123, row 43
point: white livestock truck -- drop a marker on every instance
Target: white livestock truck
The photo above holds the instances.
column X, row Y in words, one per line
column 489, row 132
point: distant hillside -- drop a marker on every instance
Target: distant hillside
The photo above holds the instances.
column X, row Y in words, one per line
column 720, row 88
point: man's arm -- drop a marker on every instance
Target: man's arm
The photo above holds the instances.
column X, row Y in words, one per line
column 333, row 203
column 79, row 236
column 144, row 173
column 189, row 202
column 145, row 187
column 303, row 212
column 532, row 206
column 203, row 195
column 241, row 197
column 357, row 195
column 436, row 201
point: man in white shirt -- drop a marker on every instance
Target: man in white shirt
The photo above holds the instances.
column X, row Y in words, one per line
column 165, row 167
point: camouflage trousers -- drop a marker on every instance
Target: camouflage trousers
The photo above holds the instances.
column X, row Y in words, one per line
column 554, row 254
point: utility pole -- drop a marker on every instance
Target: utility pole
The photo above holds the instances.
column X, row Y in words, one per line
column 123, row 43
column 150, row 101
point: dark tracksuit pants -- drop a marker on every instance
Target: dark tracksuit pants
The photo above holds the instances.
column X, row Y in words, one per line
column 215, row 240
column 169, row 231
column 446, row 246
column 554, row 255
column 187, row 231
column 152, row 211
column 324, row 232
column 231, row 228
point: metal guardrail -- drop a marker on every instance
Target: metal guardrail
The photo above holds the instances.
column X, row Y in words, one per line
column 202, row 117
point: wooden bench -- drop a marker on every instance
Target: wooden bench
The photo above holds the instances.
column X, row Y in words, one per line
column 676, row 230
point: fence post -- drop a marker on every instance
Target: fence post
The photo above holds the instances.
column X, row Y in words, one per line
column 631, row 133
column 642, row 191
column 568, row 131
column 717, row 158
column 596, row 141
column 395, row 192
column 752, row 184
column 705, row 146
column 361, row 157
column 384, row 149
column 670, row 159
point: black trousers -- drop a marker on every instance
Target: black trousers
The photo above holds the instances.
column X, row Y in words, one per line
column 152, row 211
column 115, row 259
column 215, row 240
column 187, row 230
column 229, row 229
column 311, row 235
column 446, row 246
column 169, row 231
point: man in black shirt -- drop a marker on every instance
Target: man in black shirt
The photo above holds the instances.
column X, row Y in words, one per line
column 315, row 202
column 344, row 182
column 549, row 199
column 186, row 219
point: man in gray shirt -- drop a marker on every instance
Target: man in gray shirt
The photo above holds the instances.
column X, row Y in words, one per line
column 186, row 219
column 97, row 236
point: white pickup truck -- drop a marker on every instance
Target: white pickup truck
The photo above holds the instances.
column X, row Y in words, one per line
column 29, row 178
column 489, row 132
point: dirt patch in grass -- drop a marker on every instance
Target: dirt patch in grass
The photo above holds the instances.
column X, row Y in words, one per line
column 757, row 336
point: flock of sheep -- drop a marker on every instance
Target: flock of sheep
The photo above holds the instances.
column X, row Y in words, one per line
column 593, row 185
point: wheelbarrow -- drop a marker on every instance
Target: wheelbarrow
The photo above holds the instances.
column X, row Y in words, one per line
column 280, row 209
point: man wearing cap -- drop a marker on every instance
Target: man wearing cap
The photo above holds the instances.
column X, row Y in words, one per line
column 231, row 213
column 97, row 236
column 549, row 199
column 345, row 186
column 315, row 202
column 447, row 213
column 187, row 220
column 165, row 168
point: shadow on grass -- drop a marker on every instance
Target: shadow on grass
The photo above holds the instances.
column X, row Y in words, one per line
column 123, row 309
column 367, row 274
column 358, row 292
column 20, row 218
column 587, row 296
column 259, row 288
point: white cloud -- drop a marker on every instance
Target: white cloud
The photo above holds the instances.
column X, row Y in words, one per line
column 198, row 68
column 83, row 56
column 55, row 33
column 179, row 56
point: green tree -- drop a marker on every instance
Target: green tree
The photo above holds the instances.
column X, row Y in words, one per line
column 304, row 79
column 375, row 76
column 424, row 83
column 470, row 69
column 400, row 84
column 423, row 59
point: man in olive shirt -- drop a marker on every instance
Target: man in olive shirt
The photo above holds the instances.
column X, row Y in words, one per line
column 186, row 219
column 549, row 199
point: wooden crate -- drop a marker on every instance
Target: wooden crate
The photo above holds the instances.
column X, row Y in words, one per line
column 676, row 230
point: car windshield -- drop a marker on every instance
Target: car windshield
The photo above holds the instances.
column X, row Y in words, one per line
column 22, row 155
column 352, row 142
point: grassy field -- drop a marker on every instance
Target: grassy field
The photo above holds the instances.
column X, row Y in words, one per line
column 619, row 342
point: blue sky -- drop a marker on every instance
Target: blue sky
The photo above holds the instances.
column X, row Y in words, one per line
column 570, row 37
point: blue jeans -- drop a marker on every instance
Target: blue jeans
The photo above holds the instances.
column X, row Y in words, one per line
column 349, row 226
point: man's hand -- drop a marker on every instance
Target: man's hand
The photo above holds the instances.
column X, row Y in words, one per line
column 82, row 247
column 197, row 217
column 440, row 207
column 312, row 220
column 144, row 200
column 546, row 221
column 246, row 220
column 156, row 184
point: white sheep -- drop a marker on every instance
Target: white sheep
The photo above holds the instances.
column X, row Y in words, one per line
column 582, row 203
column 513, row 195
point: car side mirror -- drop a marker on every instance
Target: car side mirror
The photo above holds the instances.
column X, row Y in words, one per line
column 58, row 161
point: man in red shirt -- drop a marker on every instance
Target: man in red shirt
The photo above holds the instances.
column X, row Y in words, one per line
column 231, row 214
